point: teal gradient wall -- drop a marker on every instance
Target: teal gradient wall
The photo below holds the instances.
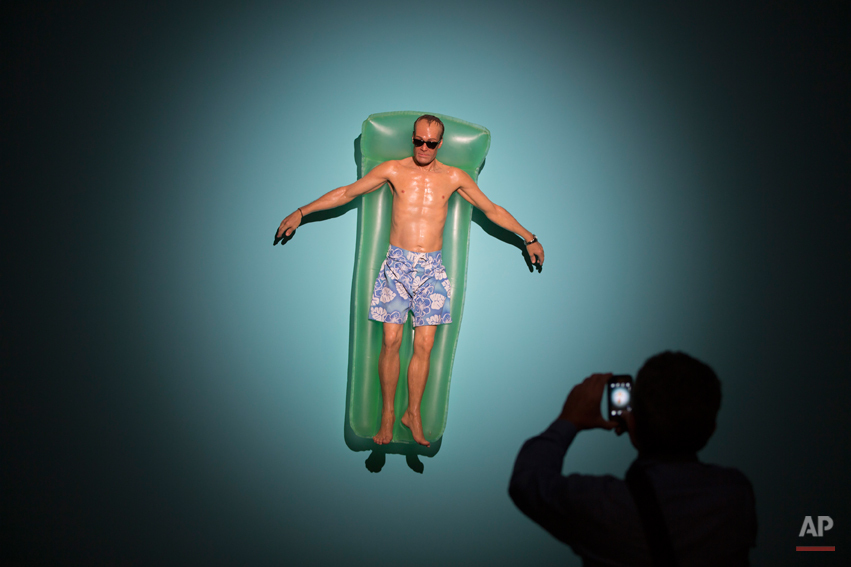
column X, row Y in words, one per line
column 174, row 386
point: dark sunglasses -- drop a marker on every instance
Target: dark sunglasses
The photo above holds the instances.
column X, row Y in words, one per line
column 431, row 145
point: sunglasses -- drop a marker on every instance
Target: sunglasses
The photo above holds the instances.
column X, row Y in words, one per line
column 431, row 145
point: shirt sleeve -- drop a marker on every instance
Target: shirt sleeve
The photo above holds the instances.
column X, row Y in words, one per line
column 537, row 486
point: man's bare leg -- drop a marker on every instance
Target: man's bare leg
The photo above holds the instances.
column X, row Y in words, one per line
column 388, row 375
column 417, row 378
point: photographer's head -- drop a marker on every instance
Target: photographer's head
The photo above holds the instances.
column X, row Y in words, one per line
column 675, row 402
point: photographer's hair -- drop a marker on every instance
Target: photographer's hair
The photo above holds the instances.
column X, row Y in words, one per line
column 675, row 403
column 431, row 120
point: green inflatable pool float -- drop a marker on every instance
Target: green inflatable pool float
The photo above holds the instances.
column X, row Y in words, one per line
column 384, row 137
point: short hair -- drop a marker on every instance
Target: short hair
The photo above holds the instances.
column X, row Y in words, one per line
column 431, row 119
column 675, row 404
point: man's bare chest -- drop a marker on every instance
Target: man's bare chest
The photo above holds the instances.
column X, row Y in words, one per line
column 425, row 189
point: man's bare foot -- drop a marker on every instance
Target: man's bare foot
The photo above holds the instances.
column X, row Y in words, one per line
column 415, row 424
column 385, row 434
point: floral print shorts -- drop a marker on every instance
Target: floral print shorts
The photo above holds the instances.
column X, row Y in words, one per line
column 411, row 281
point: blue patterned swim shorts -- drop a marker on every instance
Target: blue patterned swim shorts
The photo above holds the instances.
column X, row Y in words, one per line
column 411, row 281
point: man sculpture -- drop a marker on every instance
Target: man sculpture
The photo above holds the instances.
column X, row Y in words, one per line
column 412, row 278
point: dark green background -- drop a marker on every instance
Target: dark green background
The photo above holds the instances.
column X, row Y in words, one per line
column 173, row 387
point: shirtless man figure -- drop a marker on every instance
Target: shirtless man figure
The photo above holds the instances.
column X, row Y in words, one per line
column 421, row 188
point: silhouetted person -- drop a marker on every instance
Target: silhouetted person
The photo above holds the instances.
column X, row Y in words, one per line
column 671, row 507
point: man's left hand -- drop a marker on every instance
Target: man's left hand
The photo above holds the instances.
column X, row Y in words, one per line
column 536, row 253
column 582, row 407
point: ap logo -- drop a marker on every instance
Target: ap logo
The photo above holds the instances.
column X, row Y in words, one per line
column 809, row 528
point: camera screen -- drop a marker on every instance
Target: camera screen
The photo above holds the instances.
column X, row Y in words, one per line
column 620, row 395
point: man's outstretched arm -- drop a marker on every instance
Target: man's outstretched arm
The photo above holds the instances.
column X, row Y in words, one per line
column 379, row 175
column 543, row 455
column 499, row 216
column 537, row 486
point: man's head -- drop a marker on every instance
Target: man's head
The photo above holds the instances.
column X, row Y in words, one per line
column 674, row 405
column 427, row 129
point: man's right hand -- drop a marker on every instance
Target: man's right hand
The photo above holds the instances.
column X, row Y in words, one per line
column 582, row 407
column 289, row 224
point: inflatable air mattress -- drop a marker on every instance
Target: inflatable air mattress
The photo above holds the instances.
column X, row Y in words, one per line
column 387, row 136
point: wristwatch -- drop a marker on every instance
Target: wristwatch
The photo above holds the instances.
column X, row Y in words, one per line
column 534, row 240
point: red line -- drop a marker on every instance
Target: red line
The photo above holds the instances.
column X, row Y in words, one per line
column 813, row 548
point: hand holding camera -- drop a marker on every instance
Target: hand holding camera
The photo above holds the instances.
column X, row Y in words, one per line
column 582, row 407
